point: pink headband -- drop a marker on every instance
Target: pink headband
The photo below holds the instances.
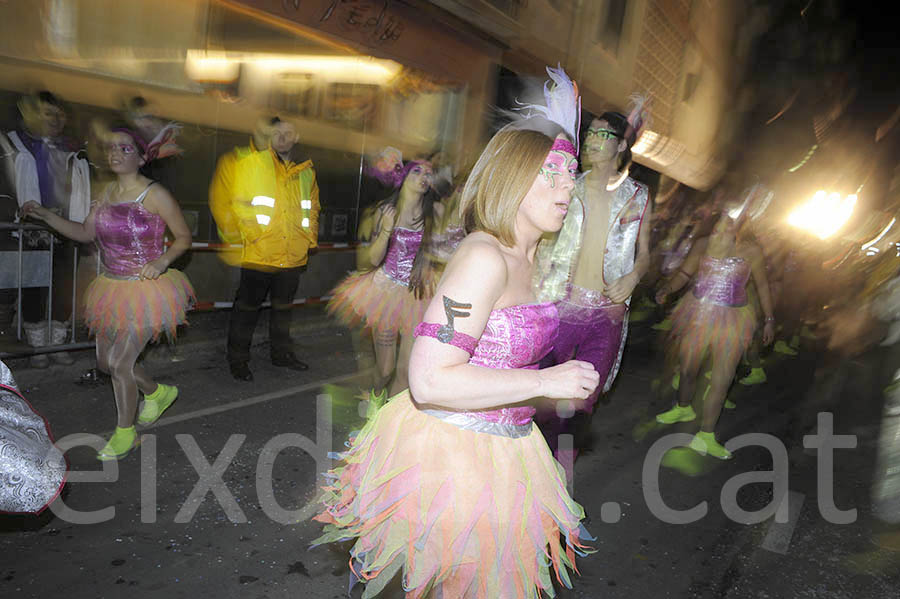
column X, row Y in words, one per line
column 564, row 145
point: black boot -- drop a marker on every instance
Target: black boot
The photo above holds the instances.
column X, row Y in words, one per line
column 240, row 334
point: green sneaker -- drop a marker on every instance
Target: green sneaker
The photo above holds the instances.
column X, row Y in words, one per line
column 677, row 414
column 757, row 376
column 730, row 405
column 375, row 402
column 156, row 403
column 706, row 444
column 123, row 441
column 665, row 325
column 783, row 348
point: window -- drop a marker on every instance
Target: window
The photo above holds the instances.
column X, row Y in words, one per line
column 609, row 28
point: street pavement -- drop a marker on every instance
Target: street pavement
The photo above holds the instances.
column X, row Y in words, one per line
column 217, row 501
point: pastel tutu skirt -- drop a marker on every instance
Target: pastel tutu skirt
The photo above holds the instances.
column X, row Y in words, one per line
column 703, row 329
column 375, row 301
column 456, row 513
column 143, row 308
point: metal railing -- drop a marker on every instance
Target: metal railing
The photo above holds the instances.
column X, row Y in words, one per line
column 38, row 277
column 34, row 270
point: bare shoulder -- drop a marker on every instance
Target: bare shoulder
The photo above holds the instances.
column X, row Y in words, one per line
column 157, row 197
column 480, row 252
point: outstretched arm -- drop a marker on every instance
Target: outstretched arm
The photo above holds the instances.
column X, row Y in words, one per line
column 473, row 285
column 81, row 232
column 685, row 273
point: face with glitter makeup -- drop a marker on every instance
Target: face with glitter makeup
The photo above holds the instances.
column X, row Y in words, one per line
column 557, row 165
column 545, row 205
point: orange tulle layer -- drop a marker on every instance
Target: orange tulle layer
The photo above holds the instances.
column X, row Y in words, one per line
column 702, row 329
column 376, row 302
column 456, row 513
column 145, row 308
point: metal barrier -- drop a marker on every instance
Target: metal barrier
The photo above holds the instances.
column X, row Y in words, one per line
column 34, row 269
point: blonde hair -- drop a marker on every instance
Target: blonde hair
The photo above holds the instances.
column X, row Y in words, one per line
column 500, row 179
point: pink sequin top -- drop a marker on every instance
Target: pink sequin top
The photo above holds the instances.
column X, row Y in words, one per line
column 129, row 236
column 514, row 337
column 723, row 281
column 402, row 249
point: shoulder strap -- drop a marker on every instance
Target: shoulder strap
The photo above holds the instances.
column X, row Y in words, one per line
column 140, row 198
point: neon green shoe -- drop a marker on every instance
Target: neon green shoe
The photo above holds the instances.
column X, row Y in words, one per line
column 783, row 348
column 706, row 444
column 665, row 325
column 729, row 405
column 677, row 414
column 156, row 403
column 757, row 376
column 375, row 402
column 123, row 441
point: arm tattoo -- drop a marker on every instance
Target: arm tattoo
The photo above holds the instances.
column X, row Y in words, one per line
column 445, row 333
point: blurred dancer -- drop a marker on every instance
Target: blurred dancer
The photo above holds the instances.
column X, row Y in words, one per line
column 263, row 198
column 48, row 168
column 614, row 256
column 715, row 321
column 137, row 296
column 450, row 486
column 391, row 299
column 32, row 469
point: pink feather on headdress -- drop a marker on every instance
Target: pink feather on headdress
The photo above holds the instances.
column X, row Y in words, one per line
column 163, row 144
column 638, row 116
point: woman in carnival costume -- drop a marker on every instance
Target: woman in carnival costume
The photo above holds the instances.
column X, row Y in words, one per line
column 32, row 469
column 391, row 299
column 715, row 321
column 136, row 297
column 450, row 485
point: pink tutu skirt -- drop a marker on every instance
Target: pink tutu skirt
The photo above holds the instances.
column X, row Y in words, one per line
column 374, row 301
column 701, row 329
column 457, row 513
column 143, row 308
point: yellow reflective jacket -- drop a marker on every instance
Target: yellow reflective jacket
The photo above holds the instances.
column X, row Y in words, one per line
column 268, row 205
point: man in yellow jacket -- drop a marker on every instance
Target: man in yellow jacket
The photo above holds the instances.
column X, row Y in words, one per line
column 264, row 200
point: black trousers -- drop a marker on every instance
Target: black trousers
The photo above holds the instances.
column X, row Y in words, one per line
column 281, row 284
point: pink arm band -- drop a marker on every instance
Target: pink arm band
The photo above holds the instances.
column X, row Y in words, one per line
column 445, row 334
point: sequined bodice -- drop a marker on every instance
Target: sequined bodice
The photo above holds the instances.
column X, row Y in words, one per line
column 402, row 249
column 723, row 281
column 129, row 237
column 515, row 337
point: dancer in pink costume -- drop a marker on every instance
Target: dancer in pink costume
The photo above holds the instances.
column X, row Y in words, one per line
column 610, row 209
column 391, row 299
column 450, row 485
column 136, row 297
column 715, row 322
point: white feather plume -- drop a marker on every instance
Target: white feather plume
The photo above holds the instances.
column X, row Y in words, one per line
column 562, row 103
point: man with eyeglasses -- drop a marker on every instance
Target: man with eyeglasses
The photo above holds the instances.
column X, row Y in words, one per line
column 613, row 257
column 266, row 199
